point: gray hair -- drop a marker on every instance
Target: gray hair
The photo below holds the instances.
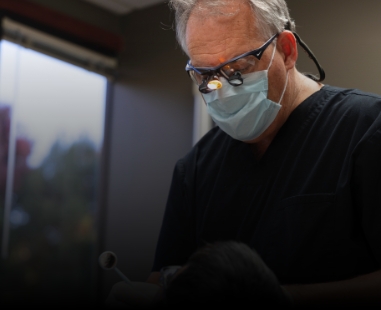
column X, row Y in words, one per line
column 271, row 15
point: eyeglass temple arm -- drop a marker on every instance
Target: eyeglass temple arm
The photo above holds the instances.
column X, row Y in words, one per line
column 310, row 54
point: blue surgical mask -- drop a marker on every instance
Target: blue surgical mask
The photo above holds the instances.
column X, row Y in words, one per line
column 244, row 112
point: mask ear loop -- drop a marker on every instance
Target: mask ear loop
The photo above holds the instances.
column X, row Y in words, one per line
column 285, row 86
column 284, row 89
column 272, row 57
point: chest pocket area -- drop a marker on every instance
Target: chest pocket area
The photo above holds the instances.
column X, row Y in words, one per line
column 302, row 237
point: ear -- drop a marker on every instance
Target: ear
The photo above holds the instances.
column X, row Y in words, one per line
column 287, row 46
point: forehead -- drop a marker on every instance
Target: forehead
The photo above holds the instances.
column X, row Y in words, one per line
column 215, row 37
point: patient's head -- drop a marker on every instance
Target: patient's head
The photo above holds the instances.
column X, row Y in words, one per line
column 225, row 274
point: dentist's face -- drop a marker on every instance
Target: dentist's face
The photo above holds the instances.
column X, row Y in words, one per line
column 213, row 39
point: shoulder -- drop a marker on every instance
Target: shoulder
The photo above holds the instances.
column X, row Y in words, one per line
column 357, row 114
column 351, row 98
column 349, row 107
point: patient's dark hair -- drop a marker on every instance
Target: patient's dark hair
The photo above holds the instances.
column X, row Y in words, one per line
column 225, row 274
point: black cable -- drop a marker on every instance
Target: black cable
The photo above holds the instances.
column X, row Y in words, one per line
column 310, row 54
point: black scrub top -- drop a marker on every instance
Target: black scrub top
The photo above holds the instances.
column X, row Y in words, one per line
column 310, row 207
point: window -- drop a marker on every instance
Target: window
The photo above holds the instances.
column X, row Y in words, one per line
column 51, row 135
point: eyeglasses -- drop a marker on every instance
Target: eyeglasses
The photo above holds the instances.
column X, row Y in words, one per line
column 231, row 70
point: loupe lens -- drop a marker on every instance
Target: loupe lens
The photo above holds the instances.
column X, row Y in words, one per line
column 236, row 79
column 214, row 84
column 235, row 82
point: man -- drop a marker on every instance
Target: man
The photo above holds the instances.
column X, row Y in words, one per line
column 292, row 168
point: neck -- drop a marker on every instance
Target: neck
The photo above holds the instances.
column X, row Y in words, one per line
column 259, row 148
column 307, row 88
column 300, row 88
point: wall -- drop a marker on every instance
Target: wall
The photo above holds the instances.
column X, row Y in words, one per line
column 151, row 128
column 85, row 12
column 345, row 37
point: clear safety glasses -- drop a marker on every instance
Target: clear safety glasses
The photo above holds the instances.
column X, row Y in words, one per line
column 207, row 78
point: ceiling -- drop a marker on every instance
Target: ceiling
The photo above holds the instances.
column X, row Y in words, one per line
column 121, row 7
